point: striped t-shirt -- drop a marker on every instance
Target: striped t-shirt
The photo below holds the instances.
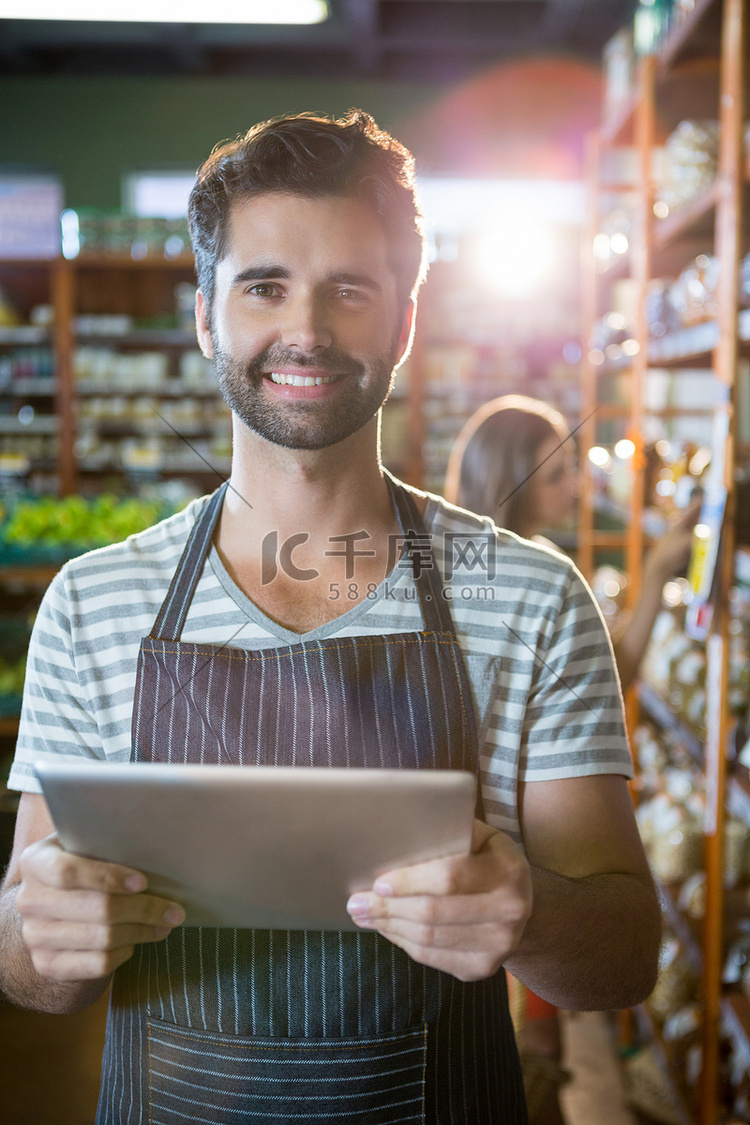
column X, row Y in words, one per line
column 539, row 658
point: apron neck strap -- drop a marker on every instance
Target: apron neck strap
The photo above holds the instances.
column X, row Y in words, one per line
column 418, row 546
column 171, row 617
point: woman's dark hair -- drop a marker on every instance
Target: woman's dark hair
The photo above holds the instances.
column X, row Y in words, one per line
column 495, row 455
column 315, row 157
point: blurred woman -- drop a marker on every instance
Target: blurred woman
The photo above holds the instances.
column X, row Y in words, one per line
column 515, row 461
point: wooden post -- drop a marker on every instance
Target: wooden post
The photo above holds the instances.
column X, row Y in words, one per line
column 589, row 396
column 63, row 303
column 641, row 255
column 728, row 242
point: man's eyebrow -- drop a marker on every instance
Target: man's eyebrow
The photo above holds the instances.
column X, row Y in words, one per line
column 260, row 273
column 362, row 280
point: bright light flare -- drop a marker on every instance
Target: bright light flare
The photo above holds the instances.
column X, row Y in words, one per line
column 624, row 449
column 165, row 11
column 599, row 456
column 517, row 256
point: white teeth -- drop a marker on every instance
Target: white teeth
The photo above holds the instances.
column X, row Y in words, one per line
column 301, row 380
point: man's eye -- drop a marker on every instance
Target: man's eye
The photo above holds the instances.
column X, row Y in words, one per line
column 262, row 289
column 350, row 294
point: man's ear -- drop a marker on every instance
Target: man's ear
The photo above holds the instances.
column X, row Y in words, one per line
column 205, row 339
column 405, row 335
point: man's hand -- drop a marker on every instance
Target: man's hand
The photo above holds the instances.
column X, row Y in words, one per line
column 82, row 917
column 463, row 915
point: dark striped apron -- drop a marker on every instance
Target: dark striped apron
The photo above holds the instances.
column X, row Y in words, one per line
column 221, row 1026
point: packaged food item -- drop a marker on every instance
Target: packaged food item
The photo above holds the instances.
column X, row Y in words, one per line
column 693, row 294
column 646, row 1089
column 673, row 837
column 690, row 164
column 676, row 985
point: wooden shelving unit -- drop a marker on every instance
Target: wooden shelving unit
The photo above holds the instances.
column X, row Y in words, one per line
column 91, row 286
column 703, row 62
column 649, row 1028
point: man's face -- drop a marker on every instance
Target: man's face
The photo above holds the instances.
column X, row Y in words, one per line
column 306, row 328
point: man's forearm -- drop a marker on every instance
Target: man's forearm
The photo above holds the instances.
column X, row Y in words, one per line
column 20, row 981
column 592, row 943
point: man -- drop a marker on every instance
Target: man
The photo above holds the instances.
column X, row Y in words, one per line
column 283, row 627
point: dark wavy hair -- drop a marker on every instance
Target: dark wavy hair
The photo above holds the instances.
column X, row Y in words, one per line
column 312, row 156
column 496, row 454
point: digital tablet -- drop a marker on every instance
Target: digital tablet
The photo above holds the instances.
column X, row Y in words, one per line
column 258, row 846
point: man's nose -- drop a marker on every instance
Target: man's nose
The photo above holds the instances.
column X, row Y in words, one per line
column 306, row 325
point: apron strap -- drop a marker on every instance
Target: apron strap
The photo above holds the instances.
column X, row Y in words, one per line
column 435, row 609
column 171, row 617
column 173, row 613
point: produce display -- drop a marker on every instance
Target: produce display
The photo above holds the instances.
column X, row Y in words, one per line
column 12, row 674
column 47, row 527
column 15, row 630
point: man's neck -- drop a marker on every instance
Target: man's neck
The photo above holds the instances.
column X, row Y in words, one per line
column 320, row 493
column 306, row 534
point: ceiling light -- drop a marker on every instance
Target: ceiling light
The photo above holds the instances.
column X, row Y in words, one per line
column 518, row 255
column 167, row 11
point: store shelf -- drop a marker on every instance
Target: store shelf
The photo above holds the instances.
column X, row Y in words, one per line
column 24, row 334
column 42, row 424
column 735, row 1011
column 26, row 576
column 179, row 263
column 170, row 388
column 700, row 72
column 658, row 710
column 31, row 387
column 143, row 428
column 697, row 341
column 695, row 217
column 617, row 128
column 616, row 270
column 738, row 792
column 650, row 1029
column 685, row 929
column 141, row 338
column 697, row 35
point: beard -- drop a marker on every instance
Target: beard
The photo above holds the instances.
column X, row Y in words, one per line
column 305, row 424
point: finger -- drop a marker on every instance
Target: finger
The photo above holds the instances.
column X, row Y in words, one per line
column 95, row 906
column 87, row 937
column 423, row 910
column 459, row 938
column 49, row 863
column 77, row 965
column 471, row 966
column 481, row 835
column 433, row 917
column 495, row 860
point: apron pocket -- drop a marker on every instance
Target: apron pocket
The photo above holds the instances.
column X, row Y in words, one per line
column 205, row 1076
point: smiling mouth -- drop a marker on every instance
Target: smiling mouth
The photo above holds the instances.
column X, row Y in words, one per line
column 301, row 380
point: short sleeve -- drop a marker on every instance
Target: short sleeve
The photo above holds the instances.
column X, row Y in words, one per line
column 55, row 719
column 574, row 723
